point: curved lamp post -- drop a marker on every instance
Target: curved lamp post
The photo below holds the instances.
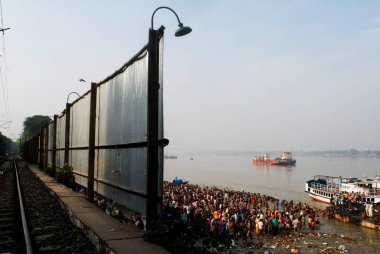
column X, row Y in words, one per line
column 67, row 127
column 181, row 31
column 155, row 140
column 67, row 101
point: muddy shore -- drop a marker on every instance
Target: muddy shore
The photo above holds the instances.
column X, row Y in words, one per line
column 300, row 243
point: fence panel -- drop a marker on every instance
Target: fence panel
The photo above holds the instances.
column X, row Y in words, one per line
column 79, row 133
column 50, row 143
column 61, row 125
column 121, row 132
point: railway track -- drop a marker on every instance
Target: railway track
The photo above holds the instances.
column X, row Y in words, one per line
column 48, row 226
column 11, row 235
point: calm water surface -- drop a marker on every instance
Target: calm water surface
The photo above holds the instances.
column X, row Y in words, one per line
column 238, row 173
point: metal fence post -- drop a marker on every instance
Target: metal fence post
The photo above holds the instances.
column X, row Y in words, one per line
column 54, row 146
column 36, row 145
column 152, row 202
column 67, row 133
column 40, row 147
column 46, row 133
column 91, row 144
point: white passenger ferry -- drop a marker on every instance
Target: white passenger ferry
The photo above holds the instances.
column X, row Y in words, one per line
column 323, row 188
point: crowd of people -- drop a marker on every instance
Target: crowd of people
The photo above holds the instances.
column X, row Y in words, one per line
column 345, row 198
column 355, row 202
column 228, row 214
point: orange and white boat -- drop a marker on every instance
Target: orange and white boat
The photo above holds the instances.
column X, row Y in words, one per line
column 285, row 160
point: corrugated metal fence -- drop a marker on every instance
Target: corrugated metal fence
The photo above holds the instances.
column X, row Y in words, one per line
column 112, row 135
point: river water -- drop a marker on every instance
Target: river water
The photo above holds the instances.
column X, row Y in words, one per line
column 238, row 173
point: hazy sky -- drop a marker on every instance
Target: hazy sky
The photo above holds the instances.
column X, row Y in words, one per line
column 253, row 75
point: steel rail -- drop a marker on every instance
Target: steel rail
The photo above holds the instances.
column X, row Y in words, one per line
column 28, row 244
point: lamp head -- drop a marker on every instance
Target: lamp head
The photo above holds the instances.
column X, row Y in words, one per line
column 182, row 30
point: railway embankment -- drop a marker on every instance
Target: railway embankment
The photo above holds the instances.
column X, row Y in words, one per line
column 105, row 232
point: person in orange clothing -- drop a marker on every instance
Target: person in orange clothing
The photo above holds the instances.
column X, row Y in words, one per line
column 216, row 214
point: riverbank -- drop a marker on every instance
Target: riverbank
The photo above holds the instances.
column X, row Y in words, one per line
column 312, row 242
column 213, row 220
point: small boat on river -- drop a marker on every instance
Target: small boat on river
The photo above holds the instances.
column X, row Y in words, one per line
column 170, row 157
column 324, row 188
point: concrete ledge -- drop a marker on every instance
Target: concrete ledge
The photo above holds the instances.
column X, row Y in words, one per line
column 105, row 232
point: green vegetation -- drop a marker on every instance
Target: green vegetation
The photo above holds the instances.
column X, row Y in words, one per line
column 6, row 145
column 32, row 126
column 65, row 175
column 48, row 170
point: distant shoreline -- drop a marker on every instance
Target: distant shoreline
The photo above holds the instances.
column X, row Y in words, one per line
column 330, row 153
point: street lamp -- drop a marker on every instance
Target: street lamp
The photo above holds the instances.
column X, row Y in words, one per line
column 181, row 31
column 67, row 126
column 154, row 121
column 67, row 101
